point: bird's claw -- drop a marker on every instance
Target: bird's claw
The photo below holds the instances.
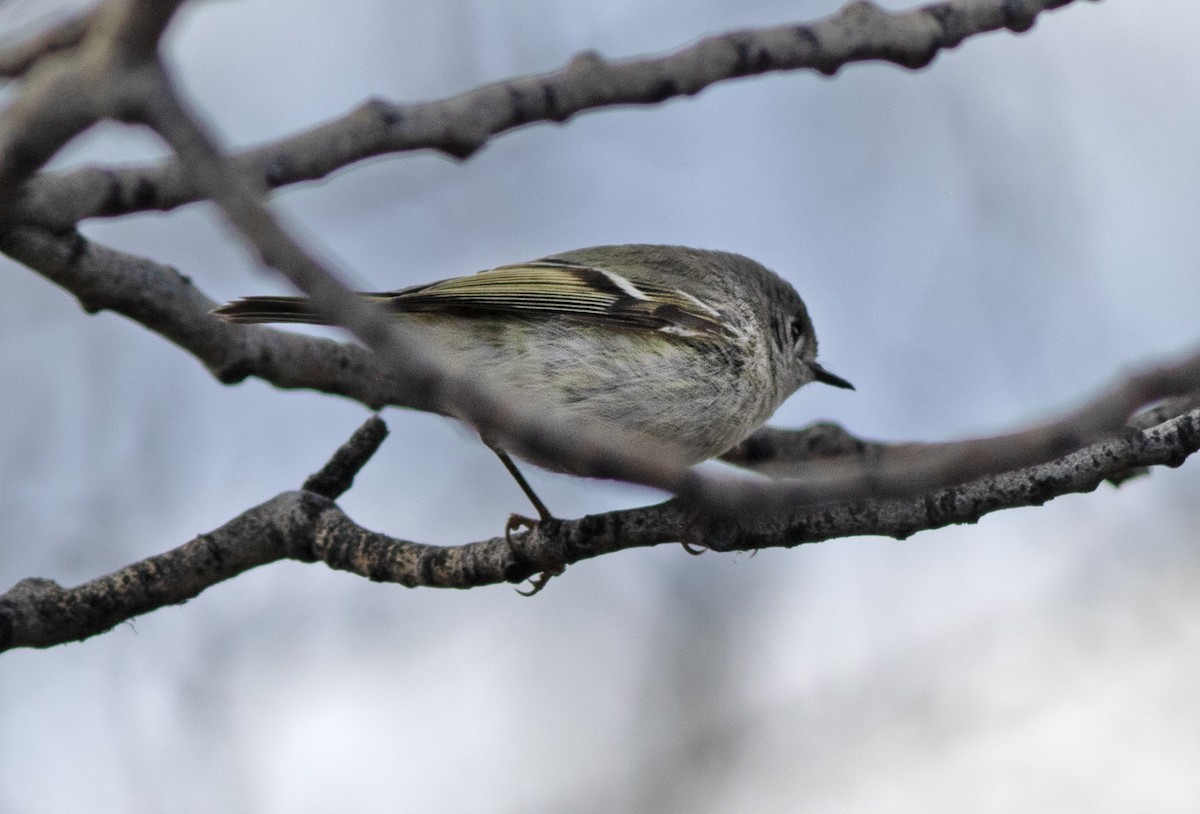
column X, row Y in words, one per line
column 517, row 522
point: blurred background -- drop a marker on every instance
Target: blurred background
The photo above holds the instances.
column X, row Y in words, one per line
column 981, row 244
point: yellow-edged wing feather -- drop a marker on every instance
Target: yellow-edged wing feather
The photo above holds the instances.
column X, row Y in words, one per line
column 557, row 289
column 544, row 289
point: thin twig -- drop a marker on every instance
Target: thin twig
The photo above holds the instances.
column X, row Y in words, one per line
column 337, row 476
column 64, row 96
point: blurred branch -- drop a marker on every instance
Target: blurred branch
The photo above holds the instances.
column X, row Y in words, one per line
column 782, row 453
column 836, row 485
column 122, row 76
column 1111, row 459
column 459, row 126
column 168, row 303
column 68, row 92
column 507, row 418
column 17, row 57
column 307, row 526
column 905, row 470
column 776, row 452
column 822, row 464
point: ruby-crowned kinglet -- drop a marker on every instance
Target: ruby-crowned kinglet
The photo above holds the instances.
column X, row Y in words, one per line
column 694, row 349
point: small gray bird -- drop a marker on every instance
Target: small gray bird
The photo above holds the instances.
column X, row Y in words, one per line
column 692, row 348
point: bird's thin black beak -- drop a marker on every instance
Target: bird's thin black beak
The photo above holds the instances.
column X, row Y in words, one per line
column 822, row 375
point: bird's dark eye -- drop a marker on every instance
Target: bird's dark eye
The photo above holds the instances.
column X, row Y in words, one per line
column 798, row 333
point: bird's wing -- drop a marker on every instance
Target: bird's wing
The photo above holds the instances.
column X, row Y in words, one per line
column 555, row 289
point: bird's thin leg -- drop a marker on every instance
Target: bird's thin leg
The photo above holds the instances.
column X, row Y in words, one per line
column 538, row 505
column 517, row 521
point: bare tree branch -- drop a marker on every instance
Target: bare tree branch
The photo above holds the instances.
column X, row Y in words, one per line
column 39, row 613
column 337, row 476
column 66, row 93
column 836, row 485
column 168, row 303
column 17, row 57
column 165, row 302
column 776, row 452
column 499, row 415
column 905, row 470
column 780, row 453
column 1167, row 444
column 124, row 36
column 309, row 527
column 509, row 419
column 461, row 125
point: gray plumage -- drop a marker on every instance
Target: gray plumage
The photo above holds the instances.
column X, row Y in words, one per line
column 689, row 347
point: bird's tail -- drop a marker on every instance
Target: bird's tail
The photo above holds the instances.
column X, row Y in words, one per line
column 269, row 309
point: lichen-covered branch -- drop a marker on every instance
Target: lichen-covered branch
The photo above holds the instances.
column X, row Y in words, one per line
column 309, row 527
